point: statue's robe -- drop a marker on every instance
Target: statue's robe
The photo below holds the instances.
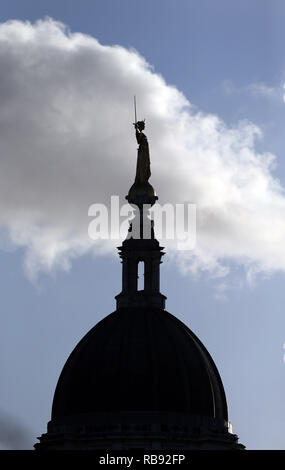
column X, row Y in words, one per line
column 143, row 162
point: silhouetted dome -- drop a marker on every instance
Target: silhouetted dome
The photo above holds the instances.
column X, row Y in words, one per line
column 140, row 360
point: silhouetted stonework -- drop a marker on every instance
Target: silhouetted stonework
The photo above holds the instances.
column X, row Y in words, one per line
column 140, row 379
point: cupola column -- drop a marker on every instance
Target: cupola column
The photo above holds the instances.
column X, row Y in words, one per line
column 150, row 253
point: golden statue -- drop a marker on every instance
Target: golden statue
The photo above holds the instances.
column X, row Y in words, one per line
column 141, row 191
column 143, row 161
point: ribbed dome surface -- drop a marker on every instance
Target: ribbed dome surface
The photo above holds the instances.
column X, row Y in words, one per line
column 140, row 360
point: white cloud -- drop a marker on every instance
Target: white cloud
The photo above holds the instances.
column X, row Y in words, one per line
column 66, row 141
column 258, row 90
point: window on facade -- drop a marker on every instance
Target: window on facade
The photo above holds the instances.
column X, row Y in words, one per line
column 140, row 284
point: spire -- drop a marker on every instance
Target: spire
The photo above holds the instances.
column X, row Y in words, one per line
column 140, row 246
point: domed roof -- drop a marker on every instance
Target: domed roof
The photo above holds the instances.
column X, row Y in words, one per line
column 139, row 359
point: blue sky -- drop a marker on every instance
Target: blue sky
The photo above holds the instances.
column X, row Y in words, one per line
column 227, row 59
